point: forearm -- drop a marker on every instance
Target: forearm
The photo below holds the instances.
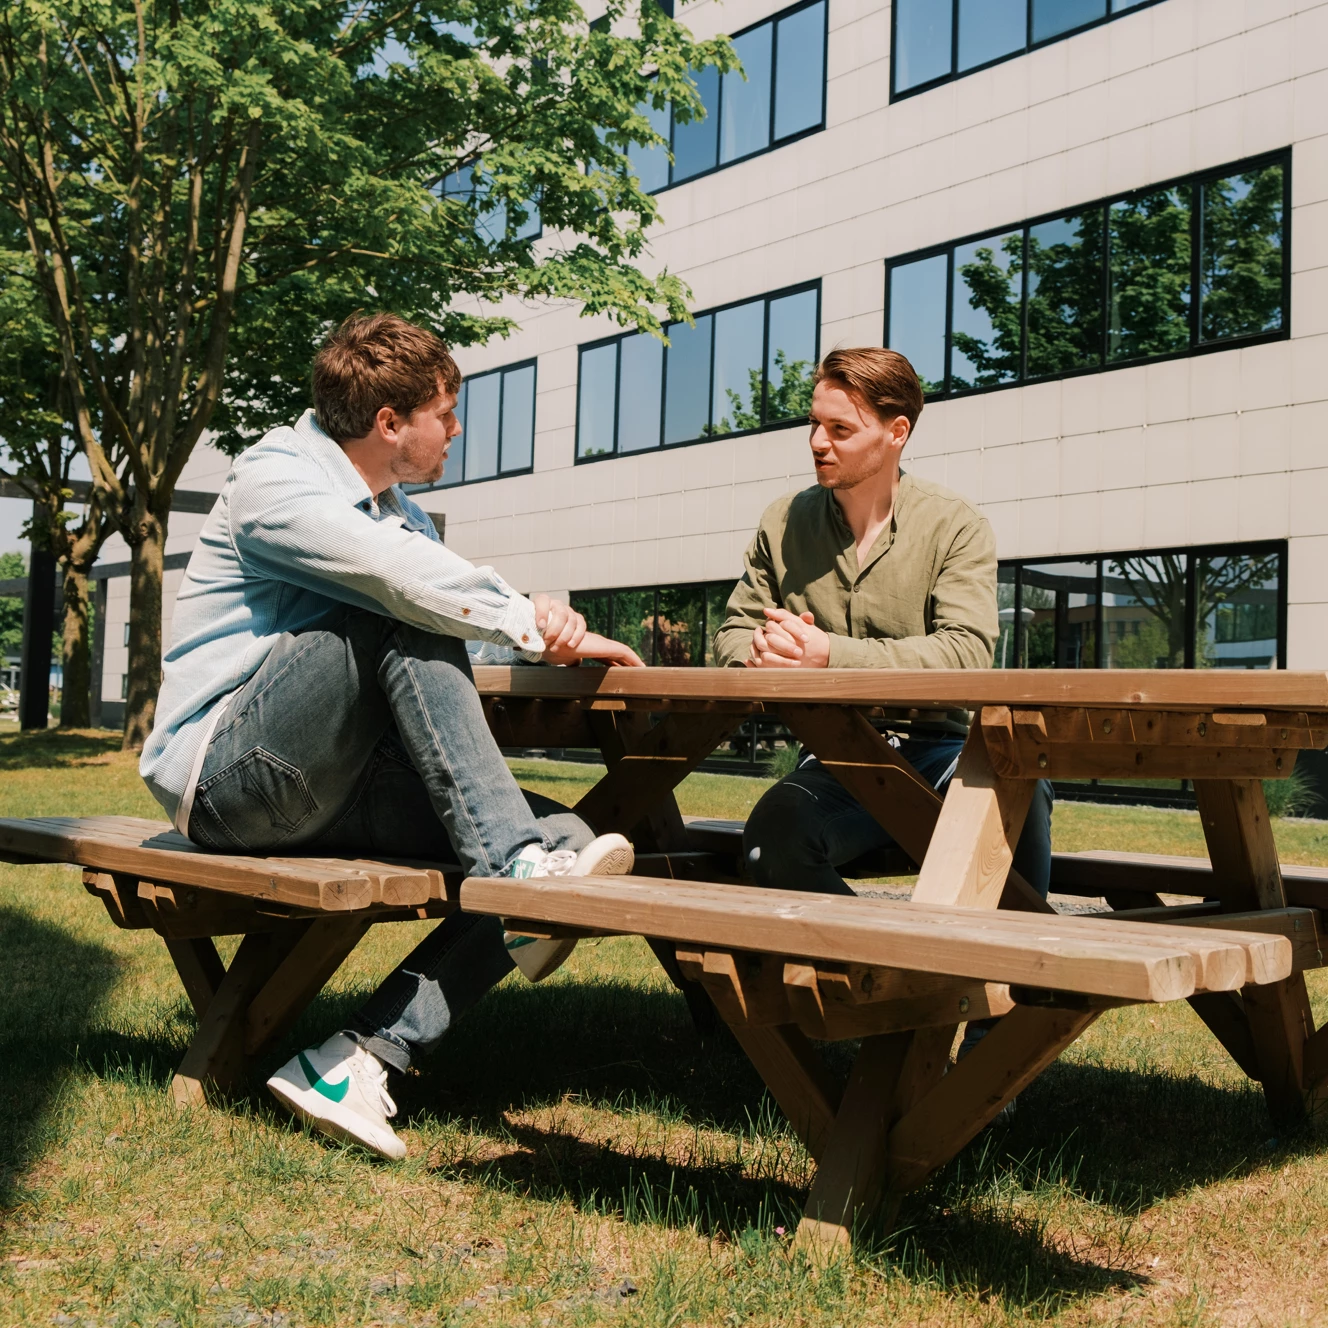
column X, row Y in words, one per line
column 733, row 644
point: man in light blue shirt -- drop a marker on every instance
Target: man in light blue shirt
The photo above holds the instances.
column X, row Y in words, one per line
column 317, row 696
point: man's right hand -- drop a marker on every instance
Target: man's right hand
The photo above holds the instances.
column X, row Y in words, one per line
column 561, row 626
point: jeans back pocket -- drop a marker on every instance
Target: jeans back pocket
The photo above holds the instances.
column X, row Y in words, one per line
column 257, row 802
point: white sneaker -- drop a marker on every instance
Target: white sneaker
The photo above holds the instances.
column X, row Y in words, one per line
column 341, row 1089
column 606, row 855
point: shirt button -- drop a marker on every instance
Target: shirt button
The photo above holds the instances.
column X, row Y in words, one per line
column 465, row 613
column 856, row 589
column 525, row 636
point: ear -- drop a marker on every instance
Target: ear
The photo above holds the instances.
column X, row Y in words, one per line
column 386, row 424
column 900, row 429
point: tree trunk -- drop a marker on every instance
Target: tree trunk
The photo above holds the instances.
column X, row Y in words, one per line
column 145, row 594
column 74, row 700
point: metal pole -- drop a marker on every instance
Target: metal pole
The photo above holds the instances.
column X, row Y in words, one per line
column 34, row 704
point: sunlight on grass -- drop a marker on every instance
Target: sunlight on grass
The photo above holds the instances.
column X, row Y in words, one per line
column 579, row 1157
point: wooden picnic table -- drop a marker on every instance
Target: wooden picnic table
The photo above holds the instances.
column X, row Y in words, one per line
column 784, row 970
column 901, row 1114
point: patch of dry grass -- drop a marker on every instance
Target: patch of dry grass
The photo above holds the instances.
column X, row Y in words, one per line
column 577, row 1157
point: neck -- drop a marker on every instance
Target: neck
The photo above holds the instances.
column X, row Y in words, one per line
column 869, row 506
column 372, row 469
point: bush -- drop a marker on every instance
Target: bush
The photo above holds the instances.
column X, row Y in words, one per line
column 1293, row 796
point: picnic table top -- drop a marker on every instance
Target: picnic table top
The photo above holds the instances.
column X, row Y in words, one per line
column 969, row 689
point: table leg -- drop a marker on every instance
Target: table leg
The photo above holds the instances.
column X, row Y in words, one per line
column 979, row 825
column 803, row 1086
column 1247, row 875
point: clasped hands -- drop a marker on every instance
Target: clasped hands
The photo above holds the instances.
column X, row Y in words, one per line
column 789, row 641
column 566, row 640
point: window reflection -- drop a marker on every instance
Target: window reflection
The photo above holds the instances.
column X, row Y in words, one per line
column 1150, row 274
column 680, row 624
column 455, row 467
column 1006, row 610
column 634, row 621
column 1144, row 611
column 922, row 41
column 986, row 327
column 594, row 428
column 1241, row 255
column 695, row 144
column 1237, row 600
column 989, row 29
column 1065, row 294
column 651, row 163
column 800, row 81
column 734, row 370
column 739, row 339
column 1052, row 18
column 1091, row 289
column 746, row 115
column 687, row 390
column 482, row 420
column 641, row 376
column 917, row 317
column 716, row 600
column 791, row 356
column 1059, row 603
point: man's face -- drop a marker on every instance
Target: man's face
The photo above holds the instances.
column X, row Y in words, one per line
column 850, row 443
column 423, row 439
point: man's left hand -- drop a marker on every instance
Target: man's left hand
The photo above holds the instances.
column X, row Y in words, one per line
column 560, row 625
column 789, row 641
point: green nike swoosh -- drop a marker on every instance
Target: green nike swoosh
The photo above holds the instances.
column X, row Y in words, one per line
column 333, row 1092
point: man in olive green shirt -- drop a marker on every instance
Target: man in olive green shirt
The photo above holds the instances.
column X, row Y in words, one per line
column 872, row 568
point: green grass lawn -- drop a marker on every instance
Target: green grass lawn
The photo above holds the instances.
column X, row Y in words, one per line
column 579, row 1157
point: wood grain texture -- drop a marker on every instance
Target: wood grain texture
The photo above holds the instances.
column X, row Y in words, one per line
column 968, row 689
column 1239, row 833
column 975, row 834
column 992, row 946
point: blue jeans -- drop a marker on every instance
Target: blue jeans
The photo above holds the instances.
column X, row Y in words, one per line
column 367, row 737
column 809, row 824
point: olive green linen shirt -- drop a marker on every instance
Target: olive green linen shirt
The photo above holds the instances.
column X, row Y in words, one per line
column 924, row 597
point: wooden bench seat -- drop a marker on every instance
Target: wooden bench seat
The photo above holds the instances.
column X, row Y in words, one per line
column 1138, row 961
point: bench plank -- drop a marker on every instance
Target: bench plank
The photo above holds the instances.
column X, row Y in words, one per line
column 995, row 947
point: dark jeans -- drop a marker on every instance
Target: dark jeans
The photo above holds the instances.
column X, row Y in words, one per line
column 809, row 824
column 367, row 737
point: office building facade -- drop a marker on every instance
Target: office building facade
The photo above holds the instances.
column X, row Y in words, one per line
column 1098, row 228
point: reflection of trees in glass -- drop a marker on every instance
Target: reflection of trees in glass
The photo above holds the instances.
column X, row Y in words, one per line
column 594, row 608
column 1150, row 275
column 634, row 621
column 790, row 397
column 1237, row 603
column 717, row 598
column 681, row 626
column 1065, row 294
column 1241, row 257
column 995, row 290
column 1040, row 629
column 1157, row 585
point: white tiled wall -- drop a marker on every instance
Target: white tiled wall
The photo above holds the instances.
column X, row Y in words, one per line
column 1226, row 446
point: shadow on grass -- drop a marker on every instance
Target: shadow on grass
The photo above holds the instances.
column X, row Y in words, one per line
column 50, row 982
column 49, row 749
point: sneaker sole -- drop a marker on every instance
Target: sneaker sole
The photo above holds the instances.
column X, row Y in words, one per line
column 331, row 1119
column 612, row 859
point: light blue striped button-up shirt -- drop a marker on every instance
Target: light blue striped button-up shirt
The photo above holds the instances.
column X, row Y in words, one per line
column 295, row 534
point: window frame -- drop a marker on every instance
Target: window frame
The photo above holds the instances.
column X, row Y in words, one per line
column 1193, row 553
column 767, row 298
column 1281, row 157
column 1028, row 46
column 438, row 486
column 477, row 161
column 774, row 20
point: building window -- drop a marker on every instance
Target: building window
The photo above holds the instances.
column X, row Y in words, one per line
column 671, row 625
column 497, row 414
column 937, row 40
column 781, row 97
column 1175, row 269
column 126, row 633
column 735, row 370
column 470, row 184
column 124, row 687
column 1198, row 608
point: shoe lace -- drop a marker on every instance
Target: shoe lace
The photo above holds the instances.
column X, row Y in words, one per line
column 373, row 1076
column 559, row 862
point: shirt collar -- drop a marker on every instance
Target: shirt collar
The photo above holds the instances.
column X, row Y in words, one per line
column 903, row 500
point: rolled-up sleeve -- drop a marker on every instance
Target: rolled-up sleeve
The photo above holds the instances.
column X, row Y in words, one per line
column 285, row 528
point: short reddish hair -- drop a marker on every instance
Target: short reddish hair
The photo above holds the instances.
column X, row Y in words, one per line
column 377, row 360
column 883, row 380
